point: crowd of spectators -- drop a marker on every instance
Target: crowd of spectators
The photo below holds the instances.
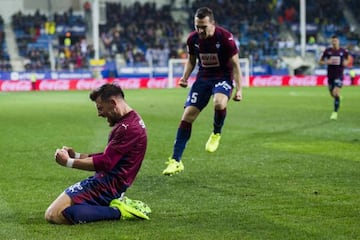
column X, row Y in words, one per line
column 34, row 36
column 327, row 18
column 76, row 56
column 27, row 29
column 156, row 36
column 253, row 23
column 142, row 33
column 145, row 33
column 4, row 56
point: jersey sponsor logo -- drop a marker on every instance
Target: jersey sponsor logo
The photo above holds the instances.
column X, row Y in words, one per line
column 335, row 60
column 125, row 125
column 209, row 60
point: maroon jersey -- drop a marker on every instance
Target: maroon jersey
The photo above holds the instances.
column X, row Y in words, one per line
column 337, row 56
column 124, row 153
column 213, row 53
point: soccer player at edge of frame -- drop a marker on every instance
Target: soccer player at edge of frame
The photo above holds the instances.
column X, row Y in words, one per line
column 336, row 58
column 101, row 196
column 218, row 59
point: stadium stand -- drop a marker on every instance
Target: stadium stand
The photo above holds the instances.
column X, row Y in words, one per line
column 31, row 42
column 154, row 37
column 37, row 36
column 254, row 23
column 267, row 32
column 326, row 18
column 4, row 56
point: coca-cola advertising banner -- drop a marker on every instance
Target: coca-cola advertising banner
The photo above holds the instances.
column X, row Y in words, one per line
column 272, row 81
column 81, row 84
column 136, row 83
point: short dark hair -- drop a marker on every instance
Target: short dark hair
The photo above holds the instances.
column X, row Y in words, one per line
column 204, row 12
column 106, row 91
column 334, row 36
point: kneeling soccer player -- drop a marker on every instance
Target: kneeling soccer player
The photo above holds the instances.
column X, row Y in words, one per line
column 101, row 196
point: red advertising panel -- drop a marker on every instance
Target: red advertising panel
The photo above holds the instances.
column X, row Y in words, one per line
column 135, row 83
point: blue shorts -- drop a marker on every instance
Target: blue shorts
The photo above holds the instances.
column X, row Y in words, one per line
column 337, row 82
column 93, row 191
column 202, row 90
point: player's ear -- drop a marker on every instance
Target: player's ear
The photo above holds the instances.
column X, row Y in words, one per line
column 112, row 101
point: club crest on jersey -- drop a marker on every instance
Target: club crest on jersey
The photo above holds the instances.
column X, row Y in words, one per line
column 209, row 60
column 217, row 45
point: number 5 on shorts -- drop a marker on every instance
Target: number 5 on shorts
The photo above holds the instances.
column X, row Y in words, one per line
column 194, row 97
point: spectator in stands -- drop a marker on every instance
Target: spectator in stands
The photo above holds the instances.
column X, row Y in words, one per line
column 30, row 29
column 87, row 14
column 352, row 75
column 133, row 36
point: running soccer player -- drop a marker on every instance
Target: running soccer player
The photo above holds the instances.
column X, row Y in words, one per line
column 336, row 58
column 217, row 54
column 101, row 196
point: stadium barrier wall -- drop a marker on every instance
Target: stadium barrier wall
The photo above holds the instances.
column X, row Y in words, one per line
column 144, row 83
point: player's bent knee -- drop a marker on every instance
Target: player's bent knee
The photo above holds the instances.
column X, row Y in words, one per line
column 219, row 105
column 52, row 216
column 49, row 216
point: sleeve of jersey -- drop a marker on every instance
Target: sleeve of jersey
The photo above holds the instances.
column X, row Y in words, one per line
column 190, row 45
column 113, row 153
column 231, row 44
column 94, row 154
column 324, row 55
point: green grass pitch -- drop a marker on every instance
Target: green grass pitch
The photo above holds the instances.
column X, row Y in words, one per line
column 283, row 169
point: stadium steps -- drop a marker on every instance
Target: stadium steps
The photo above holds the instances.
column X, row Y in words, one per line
column 180, row 15
column 296, row 63
column 16, row 61
column 351, row 19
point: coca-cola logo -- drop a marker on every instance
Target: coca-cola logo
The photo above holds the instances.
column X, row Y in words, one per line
column 156, row 83
column 54, row 85
column 12, row 86
column 128, row 83
column 303, row 81
column 89, row 84
column 267, row 81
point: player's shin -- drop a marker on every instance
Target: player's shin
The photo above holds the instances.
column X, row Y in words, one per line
column 78, row 214
column 182, row 136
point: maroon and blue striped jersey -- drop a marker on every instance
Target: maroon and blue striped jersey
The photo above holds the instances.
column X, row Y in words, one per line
column 337, row 56
column 213, row 53
column 117, row 166
column 125, row 150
